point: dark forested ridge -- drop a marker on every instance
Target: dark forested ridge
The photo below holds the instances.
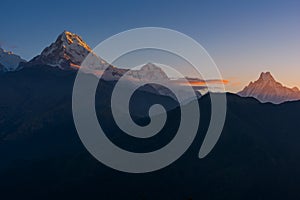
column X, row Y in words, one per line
column 257, row 156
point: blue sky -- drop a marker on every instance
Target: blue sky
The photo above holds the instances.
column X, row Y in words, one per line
column 244, row 37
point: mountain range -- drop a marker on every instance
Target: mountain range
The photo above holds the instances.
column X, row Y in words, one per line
column 42, row 157
column 69, row 50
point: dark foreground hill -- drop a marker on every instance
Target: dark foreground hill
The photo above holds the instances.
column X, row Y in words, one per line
column 41, row 156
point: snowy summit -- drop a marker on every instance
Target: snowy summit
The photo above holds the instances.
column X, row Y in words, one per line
column 68, row 51
column 267, row 89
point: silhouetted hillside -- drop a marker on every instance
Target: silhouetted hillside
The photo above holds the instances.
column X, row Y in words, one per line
column 257, row 156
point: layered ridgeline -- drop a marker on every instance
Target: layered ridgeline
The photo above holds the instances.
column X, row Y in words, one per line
column 257, row 156
column 68, row 52
column 9, row 61
column 267, row 89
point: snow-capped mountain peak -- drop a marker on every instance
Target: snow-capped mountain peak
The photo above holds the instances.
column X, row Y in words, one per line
column 69, row 38
column 153, row 72
column 9, row 61
column 149, row 72
column 68, row 51
column 267, row 89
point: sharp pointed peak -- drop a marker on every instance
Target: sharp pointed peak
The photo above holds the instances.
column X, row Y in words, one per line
column 267, row 89
column 266, row 76
column 69, row 38
column 69, row 34
column 66, row 32
column 68, row 50
column 267, row 73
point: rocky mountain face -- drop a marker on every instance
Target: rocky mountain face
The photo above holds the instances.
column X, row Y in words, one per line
column 67, row 52
column 267, row 89
column 9, row 61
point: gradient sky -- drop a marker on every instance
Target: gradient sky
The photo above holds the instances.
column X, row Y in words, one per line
column 244, row 37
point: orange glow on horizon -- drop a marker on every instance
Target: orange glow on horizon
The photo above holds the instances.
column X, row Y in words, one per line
column 202, row 83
